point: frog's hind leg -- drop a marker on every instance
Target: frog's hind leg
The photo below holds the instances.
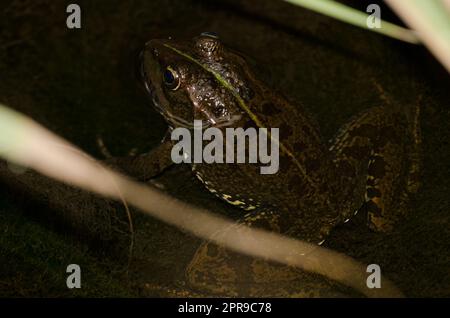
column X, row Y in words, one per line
column 381, row 149
column 393, row 174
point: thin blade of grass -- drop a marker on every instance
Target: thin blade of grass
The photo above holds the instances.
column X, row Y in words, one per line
column 357, row 18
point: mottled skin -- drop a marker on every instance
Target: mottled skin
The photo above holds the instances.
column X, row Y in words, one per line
column 371, row 165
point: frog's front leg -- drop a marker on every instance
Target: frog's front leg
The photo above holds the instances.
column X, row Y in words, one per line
column 145, row 166
column 379, row 151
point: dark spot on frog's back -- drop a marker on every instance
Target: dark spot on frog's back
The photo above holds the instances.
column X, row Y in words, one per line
column 285, row 162
column 346, row 169
column 312, row 165
column 246, row 93
column 299, row 147
column 285, row 131
column 306, row 129
column 373, row 192
column 294, row 181
column 269, row 109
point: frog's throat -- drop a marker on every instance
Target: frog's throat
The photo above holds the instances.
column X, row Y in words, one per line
column 244, row 106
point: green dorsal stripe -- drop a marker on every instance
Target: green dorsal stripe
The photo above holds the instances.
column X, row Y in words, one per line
column 244, row 106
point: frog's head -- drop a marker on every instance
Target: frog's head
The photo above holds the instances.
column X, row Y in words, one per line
column 197, row 79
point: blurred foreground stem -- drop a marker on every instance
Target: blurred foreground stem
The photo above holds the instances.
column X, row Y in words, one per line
column 355, row 17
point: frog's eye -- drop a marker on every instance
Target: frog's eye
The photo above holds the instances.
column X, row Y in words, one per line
column 171, row 78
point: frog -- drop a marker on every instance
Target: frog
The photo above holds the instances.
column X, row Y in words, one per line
column 372, row 164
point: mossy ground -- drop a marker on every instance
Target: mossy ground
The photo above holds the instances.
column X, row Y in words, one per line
column 82, row 84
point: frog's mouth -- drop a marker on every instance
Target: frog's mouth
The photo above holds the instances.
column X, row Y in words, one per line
column 149, row 88
column 172, row 120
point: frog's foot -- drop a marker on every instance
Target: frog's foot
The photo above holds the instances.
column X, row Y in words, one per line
column 227, row 274
column 146, row 166
column 222, row 272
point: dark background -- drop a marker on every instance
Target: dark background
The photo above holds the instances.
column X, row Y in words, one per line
column 82, row 84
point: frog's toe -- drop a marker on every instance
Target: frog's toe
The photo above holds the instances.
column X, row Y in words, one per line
column 212, row 269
